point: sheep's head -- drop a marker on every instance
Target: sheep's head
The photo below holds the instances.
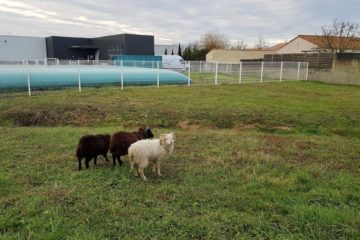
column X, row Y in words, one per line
column 146, row 132
column 167, row 139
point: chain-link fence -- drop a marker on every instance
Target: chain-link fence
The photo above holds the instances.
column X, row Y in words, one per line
column 342, row 72
column 339, row 68
column 56, row 74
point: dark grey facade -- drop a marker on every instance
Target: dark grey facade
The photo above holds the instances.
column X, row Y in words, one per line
column 101, row 48
column 70, row 48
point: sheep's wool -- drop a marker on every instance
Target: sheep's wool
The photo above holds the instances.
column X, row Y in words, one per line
column 148, row 151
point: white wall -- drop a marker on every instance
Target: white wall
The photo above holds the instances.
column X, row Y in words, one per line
column 235, row 56
column 14, row 48
column 298, row 45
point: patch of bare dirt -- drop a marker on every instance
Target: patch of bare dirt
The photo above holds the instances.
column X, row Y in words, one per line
column 188, row 125
column 285, row 128
column 243, row 126
column 288, row 147
column 58, row 115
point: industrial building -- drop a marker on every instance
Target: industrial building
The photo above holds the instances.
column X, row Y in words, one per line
column 14, row 48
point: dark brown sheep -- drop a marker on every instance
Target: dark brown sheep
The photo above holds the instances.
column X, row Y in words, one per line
column 90, row 146
column 121, row 141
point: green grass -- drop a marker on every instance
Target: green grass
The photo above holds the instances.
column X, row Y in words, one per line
column 272, row 161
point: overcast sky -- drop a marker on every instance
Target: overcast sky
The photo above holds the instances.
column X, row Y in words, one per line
column 172, row 21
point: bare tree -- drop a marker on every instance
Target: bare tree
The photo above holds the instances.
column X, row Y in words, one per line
column 337, row 37
column 239, row 45
column 261, row 43
column 212, row 41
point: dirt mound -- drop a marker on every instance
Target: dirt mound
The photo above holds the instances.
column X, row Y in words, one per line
column 54, row 115
column 242, row 126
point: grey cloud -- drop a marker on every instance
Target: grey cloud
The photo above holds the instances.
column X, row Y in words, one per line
column 174, row 21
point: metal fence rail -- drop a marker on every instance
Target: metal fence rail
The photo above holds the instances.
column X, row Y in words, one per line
column 194, row 73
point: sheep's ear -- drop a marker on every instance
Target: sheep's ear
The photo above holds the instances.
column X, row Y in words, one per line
column 173, row 136
column 162, row 139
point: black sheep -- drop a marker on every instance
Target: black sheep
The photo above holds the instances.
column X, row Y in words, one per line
column 90, row 146
column 121, row 141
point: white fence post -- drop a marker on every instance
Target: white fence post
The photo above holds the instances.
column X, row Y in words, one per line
column 28, row 77
column 240, row 72
column 122, row 75
column 189, row 68
column 281, row 70
column 216, row 73
column 307, row 71
column 79, row 76
column 158, row 75
column 200, row 66
column 262, row 71
column 298, row 72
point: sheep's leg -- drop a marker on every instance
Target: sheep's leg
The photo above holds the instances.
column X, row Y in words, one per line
column 158, row 169
column 119, row 160
column 154, row 168
column 114, row 158
column 142, row 175
column 87, row 160
column 79, row 163
column 133, row 170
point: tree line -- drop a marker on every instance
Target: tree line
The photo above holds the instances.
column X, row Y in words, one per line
column 337, row 37
column 197, row 51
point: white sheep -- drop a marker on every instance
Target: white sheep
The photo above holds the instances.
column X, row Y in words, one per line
column 143, row 152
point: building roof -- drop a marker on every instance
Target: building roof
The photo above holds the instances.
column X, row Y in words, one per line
column 276, row 47
column 245, row 50
column 321, row 41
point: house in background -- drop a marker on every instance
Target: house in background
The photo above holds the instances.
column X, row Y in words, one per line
column 300, row 44
column 317, row 43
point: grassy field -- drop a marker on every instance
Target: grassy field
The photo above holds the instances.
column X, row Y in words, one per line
column 271, row 161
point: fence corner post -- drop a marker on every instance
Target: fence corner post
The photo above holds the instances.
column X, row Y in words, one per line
column 158, row 75
column 298, row 72
column 307, row 72
column 28, row 77
column 79, row 76
column 216, row 73
column 281, row 70
column 189, row 69
column 262, row 71
column 240, row 72
column 122, row 75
